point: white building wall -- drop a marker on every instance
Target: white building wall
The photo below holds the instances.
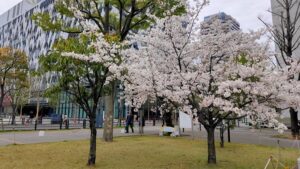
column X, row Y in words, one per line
column 276, row 8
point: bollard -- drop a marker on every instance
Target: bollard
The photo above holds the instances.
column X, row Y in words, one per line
column 35, row 124
column 84, row 123
column 222, row 136
column 23, row 120
column 67, row 124
column 2, row 125
column 60, row 124
column 298, row 162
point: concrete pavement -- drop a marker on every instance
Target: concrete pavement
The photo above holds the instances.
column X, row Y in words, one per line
column 251, row 136
column 238, row 135
column 30, row 137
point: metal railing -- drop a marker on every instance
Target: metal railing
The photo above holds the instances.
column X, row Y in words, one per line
column 46, row 123
column 26, row 123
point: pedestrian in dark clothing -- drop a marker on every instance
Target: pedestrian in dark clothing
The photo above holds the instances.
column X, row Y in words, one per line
column 167, row 120
column 143, row 121
column 129, row 122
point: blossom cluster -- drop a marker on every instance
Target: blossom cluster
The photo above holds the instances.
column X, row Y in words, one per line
column 226, row 74
column 223, row 74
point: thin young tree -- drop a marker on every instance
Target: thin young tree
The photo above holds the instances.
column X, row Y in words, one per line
column 13, row 69
column 19, row 93
column 22, row 98
column 36, row 90
column 82, row 81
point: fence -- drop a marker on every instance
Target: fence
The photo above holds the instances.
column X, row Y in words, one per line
column 26, row 123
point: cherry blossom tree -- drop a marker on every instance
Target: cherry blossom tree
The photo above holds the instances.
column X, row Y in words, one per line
column 212, row 76
column 107, row 23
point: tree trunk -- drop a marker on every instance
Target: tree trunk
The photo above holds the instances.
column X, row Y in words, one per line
column 21, row 111
column 1, row 110
column 212, row 159
column 294, row 122
column 228, row 131
column 1, row 98
column 13, row 121
column 108, row 121
column 120, row 112
column 92, row 153
column 1, row 105
column 141, row 121
column 37, row 109
column 21, row 115
column 154, row 118
column 222, row 136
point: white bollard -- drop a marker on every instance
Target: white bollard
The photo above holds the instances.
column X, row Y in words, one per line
column 41, row 133
column 298, row 162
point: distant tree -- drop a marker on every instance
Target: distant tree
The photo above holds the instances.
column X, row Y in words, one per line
column 19, row 94
column 36, row 91
column 13, row 73
column 22, row 98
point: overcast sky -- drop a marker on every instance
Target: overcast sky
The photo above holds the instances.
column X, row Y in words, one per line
column 7, row 4
column 244, row 11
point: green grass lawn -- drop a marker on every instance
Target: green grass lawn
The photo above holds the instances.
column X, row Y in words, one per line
column 148, row 152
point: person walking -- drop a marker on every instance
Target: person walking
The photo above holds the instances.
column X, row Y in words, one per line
column 129, row 122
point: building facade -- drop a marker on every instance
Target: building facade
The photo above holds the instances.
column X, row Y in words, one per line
column 277, row 9
column 226, row 22
column 18, row 30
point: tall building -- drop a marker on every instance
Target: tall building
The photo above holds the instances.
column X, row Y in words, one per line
column 227, row 24
column 17, row 30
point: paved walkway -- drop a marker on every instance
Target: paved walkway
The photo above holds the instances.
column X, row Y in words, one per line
column 30, row 137
column 238, row 135
column 251, row 136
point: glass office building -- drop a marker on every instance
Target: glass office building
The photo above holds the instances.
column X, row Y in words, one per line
column 18, row 31
column 228, row 23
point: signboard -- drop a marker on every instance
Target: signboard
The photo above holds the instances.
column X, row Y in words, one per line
column 185, row 120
